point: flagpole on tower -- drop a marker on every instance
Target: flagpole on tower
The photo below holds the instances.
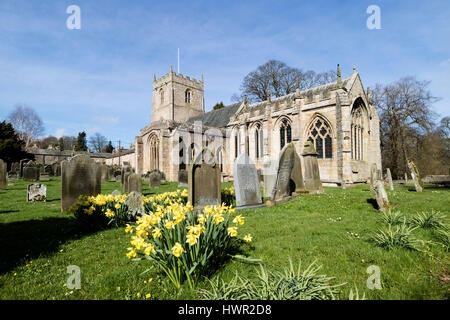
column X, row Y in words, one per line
column 178, row 60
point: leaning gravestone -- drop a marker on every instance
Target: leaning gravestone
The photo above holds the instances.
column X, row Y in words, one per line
column 36, row 192
column 312, row 174
column 134, row 203
column 134, row 183
column 79, row 177
column 154, row 180
column 381, row 196
column 204, row 181
column 31, row 172
column 415, row 176
column 373, row 175
column 2, row 174
column 284, row 186
column 246, row 182
column 389, row 179
column 182, row 178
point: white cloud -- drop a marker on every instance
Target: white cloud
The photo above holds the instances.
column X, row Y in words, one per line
column 59, row 133
column 445, row 63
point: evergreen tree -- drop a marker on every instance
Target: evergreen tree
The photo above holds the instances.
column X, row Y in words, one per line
column 11, row 147
column 108, row 148
column 81, row 144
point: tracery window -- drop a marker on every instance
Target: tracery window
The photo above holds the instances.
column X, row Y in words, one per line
column 258, row 141
column 285, row 133
column 357, row 134
column 319, row 134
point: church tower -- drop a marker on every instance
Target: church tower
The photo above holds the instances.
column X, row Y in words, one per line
column 176, row 97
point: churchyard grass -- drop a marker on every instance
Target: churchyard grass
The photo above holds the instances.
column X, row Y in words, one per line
column 39, row 242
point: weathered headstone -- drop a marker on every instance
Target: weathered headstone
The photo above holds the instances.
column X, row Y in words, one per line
column 116, row 193
column 284, row 186
column 56, row 166
column 118, row 178
column 48, row 170
column 125, row 169
column 415, row 176
column 125, row 181
column 22, row 165
column 2, row 174
column 246, row 182
column 182, row 178
column 44, row 177
column 381, row 196
column 154, row 180
column 12, row 177
column 406, row 178
column 373, row 175
column 79, row 177
column 269, row 175
column 36, row 192
column 343, row 184
column 15, row 167
column 312, row 174
column 204, row 181
column 104, row 172
column 134, row 183
column 134, row 203
column 389, row 179
column 31, row 172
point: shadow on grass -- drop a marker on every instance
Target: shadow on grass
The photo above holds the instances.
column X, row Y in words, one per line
column 373, row 202
column 8, row 211
column 32, row 238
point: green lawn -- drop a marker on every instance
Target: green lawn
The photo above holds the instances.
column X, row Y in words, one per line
column 301, row 230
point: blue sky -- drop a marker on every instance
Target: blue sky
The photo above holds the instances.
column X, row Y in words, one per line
column 99, row 78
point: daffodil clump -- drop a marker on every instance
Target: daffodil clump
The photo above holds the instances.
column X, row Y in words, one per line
column 102, row 210
column 185, row 243
column 228, row 196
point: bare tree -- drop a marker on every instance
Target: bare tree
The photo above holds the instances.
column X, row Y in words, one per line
column 27, row 123
column 280, row 79
column 405, row 109
column 97, row 142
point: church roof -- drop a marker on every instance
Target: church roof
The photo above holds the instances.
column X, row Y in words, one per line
column 217, row 118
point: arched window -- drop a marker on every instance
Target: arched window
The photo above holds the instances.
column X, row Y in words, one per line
column 259, row 152
column 187, row 96
column 154, row 153
column 319, row 134
column 285, row 133
column 182, row 155
column 236, row 144
column 161, row 95
column 357, row 133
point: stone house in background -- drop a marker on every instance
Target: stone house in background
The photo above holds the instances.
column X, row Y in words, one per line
column 338, row 118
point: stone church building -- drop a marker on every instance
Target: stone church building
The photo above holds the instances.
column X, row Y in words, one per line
column 338, row 118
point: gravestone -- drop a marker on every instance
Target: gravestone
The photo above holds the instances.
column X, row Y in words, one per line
column 381, row 196
column 116, row 193
column 204, row 181
column 104, row 172
column 125, row 181
column 134, row 183
column 269, row 175
column 154, row 180
column 15, row 167
column 12, row 177
column 182, row 178
column 343, row 184
column 79, row 177
column 296, row 174
column 312, row 174
column 373, row 175
column 22, row 165
column 246, row 182
column 31, row 172
column 389, row 179
column 44, row 177
column 56, row 166
column 134, row 203
column 284, row 186
column 406, row 178
column 125, row 169
column 48, row 170
column 2, row 174
column 415, row 176
column 118, row 178
column 36, row 192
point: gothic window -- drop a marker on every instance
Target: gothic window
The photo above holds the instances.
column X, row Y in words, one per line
column 187, row 96
column 236, row 144
column 320, row 135
column 285, row 133
column 357, row 133
column 154, row 153
column 161, row 95
column 258, row 141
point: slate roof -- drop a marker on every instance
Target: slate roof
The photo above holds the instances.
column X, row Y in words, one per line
column 217, row 118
